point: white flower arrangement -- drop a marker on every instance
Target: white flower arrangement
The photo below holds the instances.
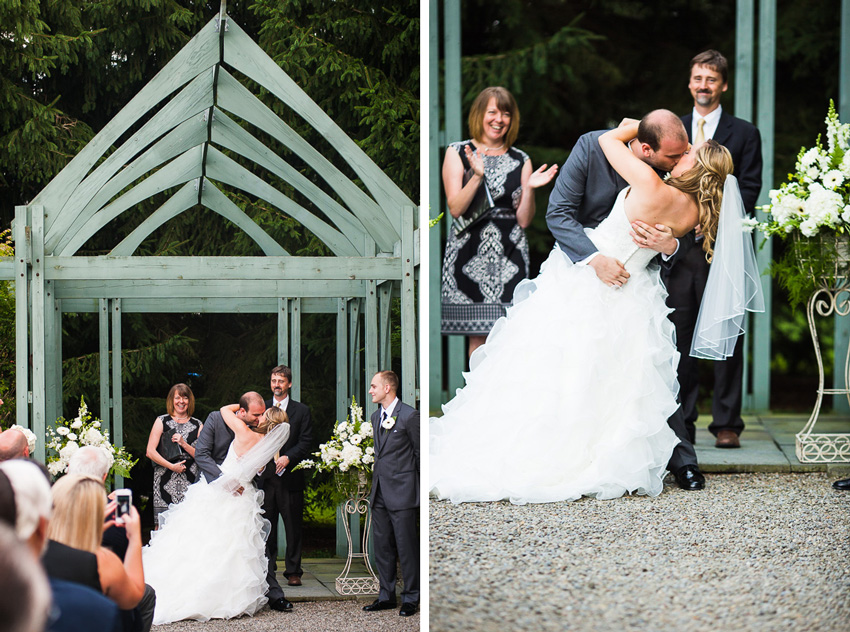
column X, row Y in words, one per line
column 351, row 446
column 817, row 195
column 29, row 434
column 69, row 436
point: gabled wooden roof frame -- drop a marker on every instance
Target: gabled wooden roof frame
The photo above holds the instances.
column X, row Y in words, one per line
column 372, row 233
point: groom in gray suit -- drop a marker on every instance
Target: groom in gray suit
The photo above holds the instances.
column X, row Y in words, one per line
column 584, row 195
column 395, row 495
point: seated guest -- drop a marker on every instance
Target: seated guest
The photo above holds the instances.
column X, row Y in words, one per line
column 79, row 508
column 25, row 505
column 13, row 445
column 25, row 597
column 93, row 461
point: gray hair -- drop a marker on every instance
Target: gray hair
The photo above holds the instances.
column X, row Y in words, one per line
column 90, row 460
column 25, row 598
column 32, row 495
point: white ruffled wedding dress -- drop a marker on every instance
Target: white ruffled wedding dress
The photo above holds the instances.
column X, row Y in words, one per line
column 208, row 560
column 570, row 395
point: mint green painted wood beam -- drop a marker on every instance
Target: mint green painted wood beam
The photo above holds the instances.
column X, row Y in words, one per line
column 744, row 58
column 7, row 268
column 454, row 118
column 23, row 257
column 241, row 52
column 385, row 294
column 224, row 268
column 765, row 122
column 96, row 189
column 245, row 289
column 355, row 344
column 37, row 327
column 117, row 384
column 842, row 323
column 51, row 388
column 283, row 331
column 257, row 305
column 220, row 167
column 103, row 363
column 230, row 135
column 435, row 342
column 199, row 54
column 57, row 363
column 180, row 170
column 295, row 311
column 372, row 340
column 409, row 346
column 341, row 358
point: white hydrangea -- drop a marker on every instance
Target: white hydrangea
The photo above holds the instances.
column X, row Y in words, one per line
column 342, row 427
column 846, row 214
column 368, row 459
column 68, row 451
column 809, row 158
column 366, row 429
column 845, row 164
column 809, row 227
column 370, row 450
column 77, row 423
column 92, row 436
column 56, row 467
column 351, row 454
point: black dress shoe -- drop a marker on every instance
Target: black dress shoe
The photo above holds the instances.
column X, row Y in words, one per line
column 842, row 484
column 408, row 609
column 380, row 605
column 689, row 477
column 281, row 605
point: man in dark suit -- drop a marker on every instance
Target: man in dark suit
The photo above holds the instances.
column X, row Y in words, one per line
column 211, row 450
column 584, row 195
column 395, row 495
column 686, row 280
column 284, row 489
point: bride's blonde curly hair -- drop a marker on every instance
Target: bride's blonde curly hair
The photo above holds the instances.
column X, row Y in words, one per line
column 704, row 181
column 274, row 416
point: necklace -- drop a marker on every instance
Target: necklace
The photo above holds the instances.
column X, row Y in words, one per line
column 485, row 149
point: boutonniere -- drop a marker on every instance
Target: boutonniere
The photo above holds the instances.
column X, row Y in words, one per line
column 388, row 423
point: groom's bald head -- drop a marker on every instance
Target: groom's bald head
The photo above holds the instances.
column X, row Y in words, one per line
column 663, row 139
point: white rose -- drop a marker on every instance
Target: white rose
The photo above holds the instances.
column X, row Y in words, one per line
column 92, row 436
column 96, row 424
column 55, row 468
column 62, row 430
column 77, row 423
column 370, row 450
column 68, row 451
column 366, row 429
column 72, row 436
column 367, row 459
column 342, row 427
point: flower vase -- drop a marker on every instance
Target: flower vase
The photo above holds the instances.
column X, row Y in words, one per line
column 826, row 260
column 355, row 485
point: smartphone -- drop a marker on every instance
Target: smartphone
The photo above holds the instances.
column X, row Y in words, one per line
column 124, row 498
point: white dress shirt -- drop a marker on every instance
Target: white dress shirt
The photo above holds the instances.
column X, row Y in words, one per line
column 712, row 119
column 282, row 404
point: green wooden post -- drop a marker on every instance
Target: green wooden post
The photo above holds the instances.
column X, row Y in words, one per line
column 23, row 256
column 454, row 117
column 295, row 311
column 371, row 318
column 57, row 378
column 354, row 346
column 341, row 358
column 385, row 295
column 117, row 390
column 842, row 323
column 103, row 346
column 51, row 388
column 37, row 328
column 283, row 331
column 408, row 309
column 435, row 342
column 765, row 123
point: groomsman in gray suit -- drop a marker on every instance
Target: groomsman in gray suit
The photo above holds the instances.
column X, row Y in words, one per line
column 395, row 495
column 584, row 195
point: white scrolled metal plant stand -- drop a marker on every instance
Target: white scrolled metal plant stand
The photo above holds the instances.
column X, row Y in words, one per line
column 357, row 504
column 832, row 297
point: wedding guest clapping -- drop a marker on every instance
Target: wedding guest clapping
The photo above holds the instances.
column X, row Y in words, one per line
column 171, row 447
column 489, row 187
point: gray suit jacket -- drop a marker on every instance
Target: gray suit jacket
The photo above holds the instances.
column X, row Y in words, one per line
column 396, row 469
column 212, row 445
column 584, row 195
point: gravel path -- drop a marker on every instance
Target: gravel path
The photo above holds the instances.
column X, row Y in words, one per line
column 751, row 552
column 315, row 616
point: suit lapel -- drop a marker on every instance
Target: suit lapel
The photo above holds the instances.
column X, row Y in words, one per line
column 724, row 129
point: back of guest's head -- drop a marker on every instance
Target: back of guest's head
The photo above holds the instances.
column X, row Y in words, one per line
column 505, row 102
column 658, row 125
column 78, row 505
column 25, row 597
column 32, row 500
column 251, row 397
column 13, row 445
column 90, row 460
column 184, row 391
column 714, row 60
column 273, row 417
column 8, row 511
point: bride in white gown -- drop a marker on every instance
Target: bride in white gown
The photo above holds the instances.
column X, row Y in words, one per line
column 208, row 559
column 570, row 395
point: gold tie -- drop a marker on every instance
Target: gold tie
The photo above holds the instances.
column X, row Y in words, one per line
column 700, row 132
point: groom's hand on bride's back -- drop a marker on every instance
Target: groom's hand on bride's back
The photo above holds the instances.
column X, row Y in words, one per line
column 659, row 238
column 609, row 270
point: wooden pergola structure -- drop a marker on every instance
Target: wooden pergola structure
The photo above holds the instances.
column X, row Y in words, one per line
column 179, row 137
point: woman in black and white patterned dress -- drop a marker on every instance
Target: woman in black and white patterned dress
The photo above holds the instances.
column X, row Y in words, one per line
column 486, row 259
